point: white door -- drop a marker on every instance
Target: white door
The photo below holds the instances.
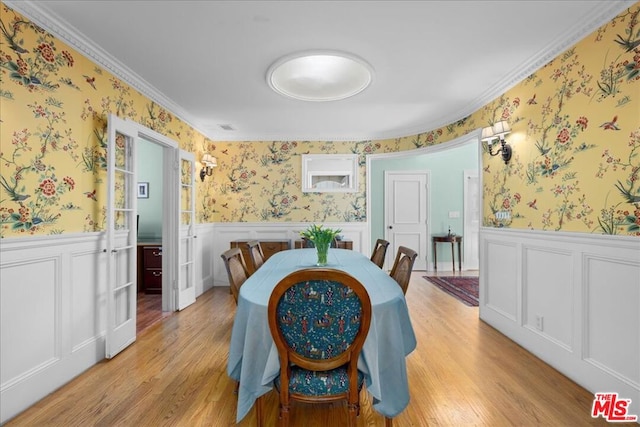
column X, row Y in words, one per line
column 471, row 235
column 121, row 236
column 406, row 207
column 186, row 291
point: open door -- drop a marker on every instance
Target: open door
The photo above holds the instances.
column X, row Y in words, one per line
column 121, row 236
column 186, row 292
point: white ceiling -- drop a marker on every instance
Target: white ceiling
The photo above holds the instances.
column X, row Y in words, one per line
column 435, row 62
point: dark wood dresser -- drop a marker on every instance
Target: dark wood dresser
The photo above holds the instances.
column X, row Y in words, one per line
column 150, row 267
column 269, row 247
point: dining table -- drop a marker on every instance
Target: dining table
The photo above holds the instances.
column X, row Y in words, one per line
column 253, row 356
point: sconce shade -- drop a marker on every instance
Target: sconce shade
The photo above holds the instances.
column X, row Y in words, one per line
column 209, row 162
column 487, row 134
column 501, row 128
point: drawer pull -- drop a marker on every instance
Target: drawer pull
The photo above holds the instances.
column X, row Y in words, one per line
column 157, row 273
column 157, row 253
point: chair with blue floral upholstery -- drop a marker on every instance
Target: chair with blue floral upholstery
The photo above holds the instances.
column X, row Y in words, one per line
column 319, row 319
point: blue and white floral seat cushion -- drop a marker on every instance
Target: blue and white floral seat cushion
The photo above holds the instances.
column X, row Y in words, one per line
column 319, row 320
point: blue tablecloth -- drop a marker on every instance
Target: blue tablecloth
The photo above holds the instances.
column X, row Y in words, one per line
column 253, row 357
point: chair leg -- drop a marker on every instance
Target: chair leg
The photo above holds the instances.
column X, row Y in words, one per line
column 284, row 416
column 388, row 422
column 353, row 415
column 259, row 420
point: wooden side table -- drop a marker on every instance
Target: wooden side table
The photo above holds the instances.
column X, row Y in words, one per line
column 447, row 238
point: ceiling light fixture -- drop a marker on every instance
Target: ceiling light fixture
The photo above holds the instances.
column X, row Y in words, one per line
column 319, row 76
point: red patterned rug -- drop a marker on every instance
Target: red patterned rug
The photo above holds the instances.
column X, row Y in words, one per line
column 463, row 288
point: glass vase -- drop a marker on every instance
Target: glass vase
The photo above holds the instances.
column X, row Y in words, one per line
column 323, row 250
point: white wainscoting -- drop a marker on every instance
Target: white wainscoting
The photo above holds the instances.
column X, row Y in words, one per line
column 204, row 257
column 225, row 233
column 53, row 301
column 52, row 315
column 585, row 287
column 586, row 291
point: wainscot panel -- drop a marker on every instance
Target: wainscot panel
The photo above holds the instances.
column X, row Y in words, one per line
column 53, row 314
column 53, row 309
column 611, row 297
column 551, row 275
column 501, row 294
column 585, row 288
column 205, row 261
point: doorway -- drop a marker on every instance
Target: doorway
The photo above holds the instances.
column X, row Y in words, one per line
column 149, row 233
column 177, row 264
column 446, row 209
column 472, row 214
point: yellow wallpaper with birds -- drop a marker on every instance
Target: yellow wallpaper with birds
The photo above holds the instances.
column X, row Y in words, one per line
column 575, row 137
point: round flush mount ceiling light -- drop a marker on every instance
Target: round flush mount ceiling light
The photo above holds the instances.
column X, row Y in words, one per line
column 319, row 76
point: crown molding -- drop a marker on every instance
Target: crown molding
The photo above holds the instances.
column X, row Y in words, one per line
column 57, row 26
column 598, row 16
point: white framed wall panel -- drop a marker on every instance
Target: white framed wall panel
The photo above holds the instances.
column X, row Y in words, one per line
column 586, row 287
column 549, row 272
column 500, row 294
column 29, row 317
column 204, row 244
column 612, row 324
column 88, row 298
column 53, row 315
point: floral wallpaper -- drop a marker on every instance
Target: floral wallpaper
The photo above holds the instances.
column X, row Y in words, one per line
column 575, row 136
column 576, row 139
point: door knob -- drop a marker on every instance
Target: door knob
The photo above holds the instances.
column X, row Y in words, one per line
column 390, row 227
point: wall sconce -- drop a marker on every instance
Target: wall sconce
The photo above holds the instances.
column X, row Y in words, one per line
column 209, row 163
column 498, row 131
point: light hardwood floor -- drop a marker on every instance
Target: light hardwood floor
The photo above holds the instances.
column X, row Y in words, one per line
column 462, row 373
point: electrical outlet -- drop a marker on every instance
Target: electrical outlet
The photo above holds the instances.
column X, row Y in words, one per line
column 539, row 322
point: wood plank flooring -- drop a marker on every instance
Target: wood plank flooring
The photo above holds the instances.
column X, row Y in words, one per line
column 149, row 311
column 463, row 372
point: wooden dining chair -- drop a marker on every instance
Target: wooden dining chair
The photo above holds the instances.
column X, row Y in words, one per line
column 256, row 254
column 236, row 270
column 379, row 252
column 319, row 319
column 402, row 267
